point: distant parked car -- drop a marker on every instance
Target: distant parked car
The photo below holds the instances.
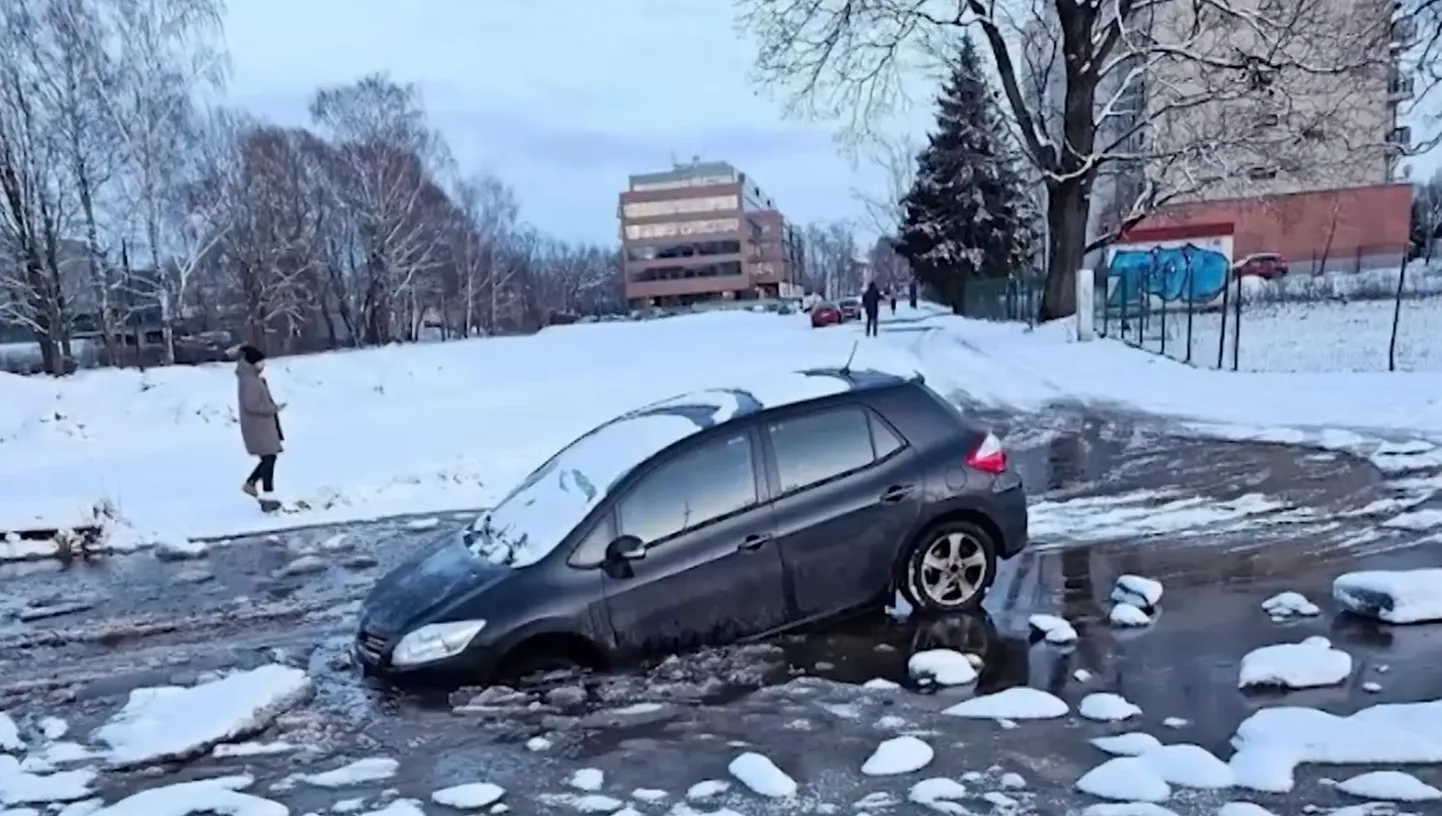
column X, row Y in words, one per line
column 709, row 518
column 824, row 314
column 850, row 309
column 1265, row 265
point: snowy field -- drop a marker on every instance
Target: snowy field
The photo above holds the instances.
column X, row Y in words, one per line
column 424, row 428
column 1337, row 322
column 1318, row 336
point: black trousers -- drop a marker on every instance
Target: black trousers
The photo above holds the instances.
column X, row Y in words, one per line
column 264, row 473
column 871, row 327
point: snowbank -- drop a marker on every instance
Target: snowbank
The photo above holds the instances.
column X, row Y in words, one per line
column 419, row 428
column 434, row 427
column 1009, row 364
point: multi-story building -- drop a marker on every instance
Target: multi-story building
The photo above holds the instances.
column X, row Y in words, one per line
column 1289, row 159
column 1299, row 162
column 704, row 231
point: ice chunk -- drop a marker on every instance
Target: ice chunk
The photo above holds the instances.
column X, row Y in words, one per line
column 220, row 795
column 707, row 788
column 1273, row 741
column 1243, row 809
column 1394, row 596
column 172, row 722
column 1125, row 779
column 1125, row 614
column 939, row 794
column 471, row 796
column 10, row 741
column 400, row 807
column 1189, row 766
column 360, row 772
column 900, row 755
column 1135, row 743
column 587, row 779
column 1019, row 703
column 19, row 787
column 649, row 795
column 762, row 776
column 1137, row 591
column 880, row 684
column 1308, row 664
column 943, row 667
column 1107, row 707
column 1055, row 629
column 246, row 749
column 1389, row 786
column 1290, row 605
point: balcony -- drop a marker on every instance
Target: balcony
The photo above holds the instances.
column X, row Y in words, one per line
column 1400, row 137
column 1400, row 89
column 1404, row 33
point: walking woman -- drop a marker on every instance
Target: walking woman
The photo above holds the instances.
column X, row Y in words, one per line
column 259, row 421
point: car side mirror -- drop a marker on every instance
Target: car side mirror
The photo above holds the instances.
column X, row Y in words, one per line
column 626, row 548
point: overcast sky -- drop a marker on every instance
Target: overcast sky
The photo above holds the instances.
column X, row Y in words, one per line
column 561, row 98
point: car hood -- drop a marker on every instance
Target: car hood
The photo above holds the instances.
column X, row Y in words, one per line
column 440, row 575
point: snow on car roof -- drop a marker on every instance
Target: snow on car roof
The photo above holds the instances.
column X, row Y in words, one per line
column 534, row 517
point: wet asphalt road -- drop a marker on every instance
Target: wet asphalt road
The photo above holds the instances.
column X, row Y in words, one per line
column 150, row 621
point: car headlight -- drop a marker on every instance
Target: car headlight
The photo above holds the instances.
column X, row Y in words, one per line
column 436, row 641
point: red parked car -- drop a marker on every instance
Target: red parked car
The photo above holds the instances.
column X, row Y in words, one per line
column 1265, row 265
column 824, row 314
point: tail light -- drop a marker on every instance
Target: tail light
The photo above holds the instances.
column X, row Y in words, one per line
column 989, row 456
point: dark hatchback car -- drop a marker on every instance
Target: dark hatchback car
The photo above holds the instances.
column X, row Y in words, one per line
column 709, row 518
column 850, row 309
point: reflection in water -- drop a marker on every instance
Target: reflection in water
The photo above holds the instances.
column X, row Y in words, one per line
column 1355, row 630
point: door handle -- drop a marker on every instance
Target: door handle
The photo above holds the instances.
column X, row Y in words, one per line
column 897, row 493
column 754, row 541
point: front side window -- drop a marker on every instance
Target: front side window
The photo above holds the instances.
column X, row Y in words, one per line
column 704, row 484
column 815, row 448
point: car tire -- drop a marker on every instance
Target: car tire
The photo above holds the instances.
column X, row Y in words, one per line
column 535, row 664
column 970, row 558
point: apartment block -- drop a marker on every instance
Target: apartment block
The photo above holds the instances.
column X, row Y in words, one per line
column 704, row 231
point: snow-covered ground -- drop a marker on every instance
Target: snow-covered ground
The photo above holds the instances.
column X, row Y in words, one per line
column 1338, row 321
column 1301, row 336
column 423, row 428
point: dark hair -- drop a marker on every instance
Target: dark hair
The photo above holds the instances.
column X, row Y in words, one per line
column 251, row 354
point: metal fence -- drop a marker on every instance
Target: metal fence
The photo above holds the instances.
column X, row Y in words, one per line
column 1012, row 299
column 1370, row 320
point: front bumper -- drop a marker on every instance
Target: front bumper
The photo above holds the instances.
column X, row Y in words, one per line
column 372, row 653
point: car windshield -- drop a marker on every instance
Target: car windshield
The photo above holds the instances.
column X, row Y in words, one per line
column 533, row 518
column 851, row 302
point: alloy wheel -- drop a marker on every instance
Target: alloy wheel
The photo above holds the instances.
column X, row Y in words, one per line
column 952, row 570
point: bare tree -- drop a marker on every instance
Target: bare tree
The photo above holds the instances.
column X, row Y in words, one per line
column 488, row 211
column 167, row 56
column 894, row 158
column 1156, row 86
column 383, row 177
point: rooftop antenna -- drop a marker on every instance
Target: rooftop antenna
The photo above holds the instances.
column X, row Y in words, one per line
column 846, row 369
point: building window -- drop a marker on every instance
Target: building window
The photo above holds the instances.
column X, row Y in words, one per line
column 715, row 226
column 682, row 183
column 680, row 206
column 1260, row 173
column 653, row 252
column 668, row 273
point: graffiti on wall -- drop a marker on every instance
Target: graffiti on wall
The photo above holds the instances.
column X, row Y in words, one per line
column 1179, row 272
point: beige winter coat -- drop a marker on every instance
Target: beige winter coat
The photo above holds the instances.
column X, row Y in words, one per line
column 259, row 416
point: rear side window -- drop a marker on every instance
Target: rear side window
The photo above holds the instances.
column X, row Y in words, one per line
column 812, row 449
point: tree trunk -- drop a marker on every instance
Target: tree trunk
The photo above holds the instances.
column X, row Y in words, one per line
column 1066, row 245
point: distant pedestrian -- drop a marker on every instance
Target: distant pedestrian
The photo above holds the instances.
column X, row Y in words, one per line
column 259, row 421
column 893, row 304
column 871, row 304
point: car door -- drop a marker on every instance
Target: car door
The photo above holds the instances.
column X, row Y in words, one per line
column 847, row 493
column 711, row 572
